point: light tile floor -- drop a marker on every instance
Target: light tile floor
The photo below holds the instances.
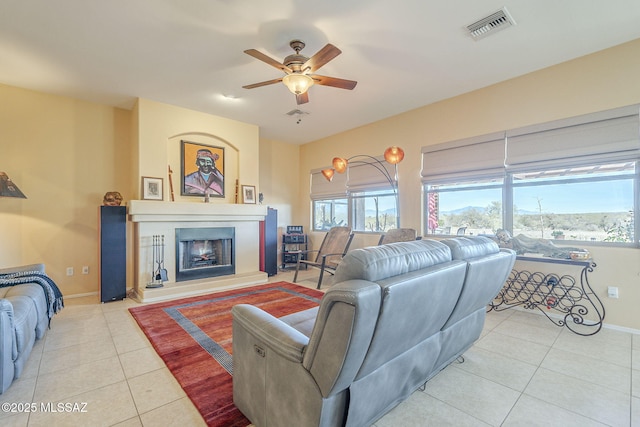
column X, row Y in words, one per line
column 524, row 371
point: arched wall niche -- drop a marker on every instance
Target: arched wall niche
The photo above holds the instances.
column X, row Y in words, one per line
column 230, row 166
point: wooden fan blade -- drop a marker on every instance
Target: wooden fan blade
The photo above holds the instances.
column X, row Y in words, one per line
column 303, row 98
column 268, row 82
column 323, row 56
column 333, row 81
column 267, row 59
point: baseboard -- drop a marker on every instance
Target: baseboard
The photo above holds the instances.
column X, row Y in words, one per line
column 87, row 294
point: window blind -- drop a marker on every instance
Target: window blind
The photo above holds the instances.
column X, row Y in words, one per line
column 604, row 137
column 470, row 158
column 323, row 189
column 369, row 175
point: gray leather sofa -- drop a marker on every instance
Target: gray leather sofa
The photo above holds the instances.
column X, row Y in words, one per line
column 23, row 319
column 397, row 315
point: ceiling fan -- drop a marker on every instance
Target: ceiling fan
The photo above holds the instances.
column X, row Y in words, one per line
column 299, row 70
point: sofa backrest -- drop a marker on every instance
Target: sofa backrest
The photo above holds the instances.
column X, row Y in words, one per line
column 487, row 269
column 419, row 285
column 341, row 334
column 381, row 262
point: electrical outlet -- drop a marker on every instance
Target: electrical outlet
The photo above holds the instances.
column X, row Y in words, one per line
column 612, row 292
column 69, row 271
column 85, row 269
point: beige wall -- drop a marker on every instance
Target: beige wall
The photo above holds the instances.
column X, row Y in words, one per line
column 64, row 154
column 162, row 127
column 600, row 81
column 279, row 183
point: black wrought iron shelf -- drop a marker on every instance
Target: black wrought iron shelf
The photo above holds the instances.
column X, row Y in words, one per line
column 564, row 300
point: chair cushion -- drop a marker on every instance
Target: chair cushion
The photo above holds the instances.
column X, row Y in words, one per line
column 302, row 321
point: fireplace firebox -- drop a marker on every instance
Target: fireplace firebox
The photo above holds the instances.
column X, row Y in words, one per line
column 204, row 252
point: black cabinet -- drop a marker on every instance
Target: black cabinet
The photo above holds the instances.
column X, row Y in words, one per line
column 113, row 253
column 269, row 243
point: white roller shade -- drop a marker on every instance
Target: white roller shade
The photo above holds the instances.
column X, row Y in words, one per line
column 323, row 189
column 603, row 137
column 476, row 157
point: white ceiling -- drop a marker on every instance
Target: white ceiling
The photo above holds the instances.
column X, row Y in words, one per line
column 404, row 54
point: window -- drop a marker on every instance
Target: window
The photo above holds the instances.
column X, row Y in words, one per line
column 585, row 203
column 363, row 198
column 374, row 210
column 574, row 179
column 330, row 213
column 330, row 204
column 464, row 208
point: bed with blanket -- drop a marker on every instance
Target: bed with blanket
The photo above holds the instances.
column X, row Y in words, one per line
column 28, row 301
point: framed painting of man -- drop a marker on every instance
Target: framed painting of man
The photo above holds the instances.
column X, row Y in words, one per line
column 202, row 170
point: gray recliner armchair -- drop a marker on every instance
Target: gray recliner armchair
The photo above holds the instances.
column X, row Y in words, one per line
column 269, row 353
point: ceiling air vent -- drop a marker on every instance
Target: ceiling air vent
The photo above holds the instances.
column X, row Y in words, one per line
column 294, row 112
column 490, row 24
column 298, row 113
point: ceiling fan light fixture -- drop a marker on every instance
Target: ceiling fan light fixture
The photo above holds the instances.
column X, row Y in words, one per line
column 297, row 83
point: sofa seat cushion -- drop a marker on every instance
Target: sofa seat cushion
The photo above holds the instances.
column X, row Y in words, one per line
column 302, row 321
column 24, row 322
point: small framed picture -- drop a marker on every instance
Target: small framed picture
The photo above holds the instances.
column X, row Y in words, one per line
column 152, row 188
column 249, row 194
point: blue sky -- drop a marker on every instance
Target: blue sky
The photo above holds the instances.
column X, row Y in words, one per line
column 586, row 197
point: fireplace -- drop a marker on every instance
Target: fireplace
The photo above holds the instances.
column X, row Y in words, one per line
column 204, row 252
column 151, row 218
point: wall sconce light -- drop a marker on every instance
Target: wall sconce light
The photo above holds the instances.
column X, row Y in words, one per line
column 8, row 188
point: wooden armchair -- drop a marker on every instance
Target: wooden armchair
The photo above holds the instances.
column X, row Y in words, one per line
column 334, row 245
column 398, row 235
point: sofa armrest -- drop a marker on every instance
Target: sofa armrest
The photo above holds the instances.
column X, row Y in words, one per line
column 6, row 308
column 277, row 335
column 19, row 269
column 8, row 350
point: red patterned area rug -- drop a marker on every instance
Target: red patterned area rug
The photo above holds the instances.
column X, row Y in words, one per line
column 193, row 337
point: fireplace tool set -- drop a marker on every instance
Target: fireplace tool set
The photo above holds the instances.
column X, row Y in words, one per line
column 159, row 274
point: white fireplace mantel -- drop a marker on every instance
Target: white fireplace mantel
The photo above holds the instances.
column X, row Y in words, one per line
column 152, row 211
column 151, row 218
